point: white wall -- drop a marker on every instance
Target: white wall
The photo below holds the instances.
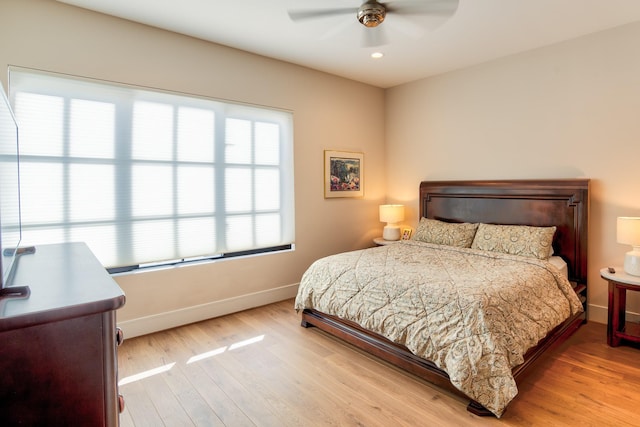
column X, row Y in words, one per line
column 52, row 36
column 565, row 111
column 569, row 110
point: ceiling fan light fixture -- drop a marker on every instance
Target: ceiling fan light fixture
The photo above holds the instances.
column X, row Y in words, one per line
column 371, row 14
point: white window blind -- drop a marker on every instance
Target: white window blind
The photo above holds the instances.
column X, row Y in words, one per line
column 145, row 176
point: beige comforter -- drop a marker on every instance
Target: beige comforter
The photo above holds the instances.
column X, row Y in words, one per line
column 473, row 313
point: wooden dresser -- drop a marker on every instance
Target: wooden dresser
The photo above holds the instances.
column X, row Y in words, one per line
column 58, row 347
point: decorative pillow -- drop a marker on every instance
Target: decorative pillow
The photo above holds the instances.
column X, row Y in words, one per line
column 523, row 240
column 445, row 233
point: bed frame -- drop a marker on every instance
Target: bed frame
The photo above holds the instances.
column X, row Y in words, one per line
column 563, row 203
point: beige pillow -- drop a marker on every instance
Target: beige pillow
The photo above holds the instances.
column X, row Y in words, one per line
column 445, row 233
column 523, row 240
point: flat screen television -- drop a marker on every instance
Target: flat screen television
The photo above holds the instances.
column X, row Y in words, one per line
column 10, row 220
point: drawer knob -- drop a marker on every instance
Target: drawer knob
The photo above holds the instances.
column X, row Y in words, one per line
column 119, row 336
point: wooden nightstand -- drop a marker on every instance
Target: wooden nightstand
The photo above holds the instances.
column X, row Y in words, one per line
column 617, row 327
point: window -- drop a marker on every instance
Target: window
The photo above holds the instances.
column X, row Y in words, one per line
column 145, row 176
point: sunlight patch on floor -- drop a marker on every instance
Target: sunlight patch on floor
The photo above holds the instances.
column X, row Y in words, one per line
column 146, row 374
column 196, row 358
column 206, row 355
column 246, row 342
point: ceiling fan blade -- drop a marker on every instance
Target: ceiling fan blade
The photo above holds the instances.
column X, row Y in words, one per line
column 341, row 25
column 425, row 7
column 375, row 36
column 305, row 14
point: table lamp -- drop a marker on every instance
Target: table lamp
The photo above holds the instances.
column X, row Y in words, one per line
column 628, row 233
column 392, row 215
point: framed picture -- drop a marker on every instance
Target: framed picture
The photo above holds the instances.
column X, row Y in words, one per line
column 343, row 174
column 406, row 233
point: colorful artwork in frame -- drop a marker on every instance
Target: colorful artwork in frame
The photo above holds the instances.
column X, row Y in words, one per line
column 343, row 173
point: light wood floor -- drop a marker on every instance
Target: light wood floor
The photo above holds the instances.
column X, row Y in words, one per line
column 260, row 368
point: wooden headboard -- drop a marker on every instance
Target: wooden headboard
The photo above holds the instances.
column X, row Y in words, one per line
column 560, row 202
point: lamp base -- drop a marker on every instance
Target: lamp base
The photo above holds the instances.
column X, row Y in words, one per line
column 632, row 263
column 391, row 232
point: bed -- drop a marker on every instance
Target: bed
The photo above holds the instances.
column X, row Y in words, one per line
column 470, row 316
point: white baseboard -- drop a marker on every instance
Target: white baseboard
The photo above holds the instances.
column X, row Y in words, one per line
column 599, row 314
column 171, row 319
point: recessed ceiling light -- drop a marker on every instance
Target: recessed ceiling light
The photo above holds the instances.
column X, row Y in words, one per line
column 377, row 55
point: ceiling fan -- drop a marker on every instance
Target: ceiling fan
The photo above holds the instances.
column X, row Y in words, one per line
column 372, row 13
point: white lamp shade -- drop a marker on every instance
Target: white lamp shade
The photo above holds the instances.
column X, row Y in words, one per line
column 391, row 213
column 628, row 233
column 628, row 230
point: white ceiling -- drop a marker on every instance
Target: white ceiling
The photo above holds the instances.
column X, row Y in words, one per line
column 480, row 30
